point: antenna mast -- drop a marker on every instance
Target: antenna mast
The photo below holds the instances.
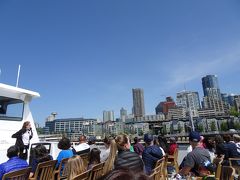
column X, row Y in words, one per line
column 19, row 68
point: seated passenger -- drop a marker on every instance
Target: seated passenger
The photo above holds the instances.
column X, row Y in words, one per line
column 74, row 167
column 173, row 146
column 66, row 151
column 14, row 163
column 125, row 157
column 230, row 149
column 41, row 155
column 83, row 147
column 105, row 153
column 198, row 160
column 124, row 174
column 138, row 147
column 151, row 154
column 94, row 158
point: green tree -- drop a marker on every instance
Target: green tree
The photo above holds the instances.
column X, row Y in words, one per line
column 224, row 126
column 236, row 125
column 213, row 126
column 234, row 112
column 40, row 130
column 200, row 127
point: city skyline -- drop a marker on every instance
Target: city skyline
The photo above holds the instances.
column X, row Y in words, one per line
column 85, row 57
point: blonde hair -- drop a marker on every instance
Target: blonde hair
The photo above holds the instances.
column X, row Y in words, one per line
column 111, row 158
column 121, row 141
column 74, row 167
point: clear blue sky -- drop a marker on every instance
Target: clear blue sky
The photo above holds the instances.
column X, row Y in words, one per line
column 84, row 57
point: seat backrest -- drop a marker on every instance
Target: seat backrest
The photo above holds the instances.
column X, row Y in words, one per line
column 227, row 173
column 218, row 162
column 159, row 162
column 57, row 172
column 83, row 176
column 97, row 171
column 175, row 154
column 45, row 170
column 85, row 159
column 21, row 174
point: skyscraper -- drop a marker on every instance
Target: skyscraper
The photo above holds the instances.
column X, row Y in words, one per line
column 108, row 116
column 138, row 102
column 211, row 87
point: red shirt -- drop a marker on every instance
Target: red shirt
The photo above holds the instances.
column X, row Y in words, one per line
column 172, row 148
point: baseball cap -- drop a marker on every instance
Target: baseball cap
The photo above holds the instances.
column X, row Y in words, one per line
column 194, row 136
column 148, row 137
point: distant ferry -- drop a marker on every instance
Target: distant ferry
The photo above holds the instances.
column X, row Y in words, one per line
column 14, row 111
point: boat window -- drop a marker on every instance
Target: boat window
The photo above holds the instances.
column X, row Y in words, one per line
column 11, row 109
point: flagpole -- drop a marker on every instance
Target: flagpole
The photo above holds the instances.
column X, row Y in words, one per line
column 19, row 68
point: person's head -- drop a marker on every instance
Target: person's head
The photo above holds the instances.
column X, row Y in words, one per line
column 74, row 167
column 236, row 138
column 64, row 143
column 227, row 138
column 122, row 142
column 107, row 141
column 40, row 151
column 125, row 174
column 12, row 151
column 218, row 139
column 194, row 138
column 82, row 139
column 94, row 156
column 172, row 140
column 26, row 125
column 91, row 140
column 136, row 140
column 148, row 139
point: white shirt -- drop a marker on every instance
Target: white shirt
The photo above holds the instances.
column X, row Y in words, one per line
column 26, row 137
column 81, row 147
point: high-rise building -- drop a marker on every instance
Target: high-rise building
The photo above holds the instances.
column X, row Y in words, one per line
column 123, row 113
column 108, row 116
column 211, row 87
column 190, row 101
column 138, row 102
column 164, row 106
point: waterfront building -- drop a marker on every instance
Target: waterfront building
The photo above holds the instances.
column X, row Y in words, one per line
column 228, row 99
column 164, row 106
column 108, row 116
column 217, row 105
column 190, row 101
column 73, row 127
column 138, row 102
column 211, row 87
column 176, row 113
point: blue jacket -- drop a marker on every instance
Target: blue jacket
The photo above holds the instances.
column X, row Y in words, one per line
column 150, row 156
column 13, row 164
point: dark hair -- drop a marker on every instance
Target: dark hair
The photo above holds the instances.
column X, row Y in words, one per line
column 12, row 151
column 227, row 137
column 94, row 156
column 124, row 174
column 64, row 144
column 219, row 139
column 25, row 124
column 40, row 151
column 107, row 140
column 163, row 143
column 136, row 140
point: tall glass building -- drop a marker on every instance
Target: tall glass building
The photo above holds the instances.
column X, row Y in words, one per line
column 211, row 87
